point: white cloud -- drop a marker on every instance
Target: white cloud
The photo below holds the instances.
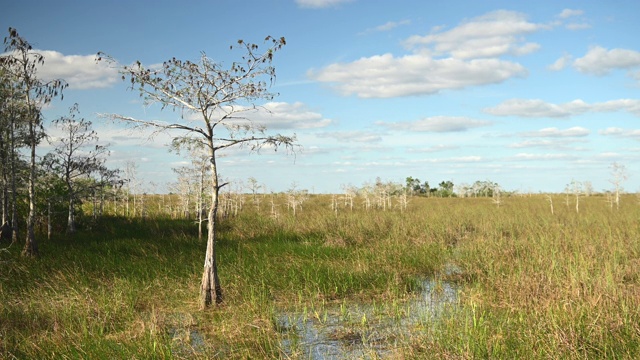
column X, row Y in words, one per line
column 561, row 63
column 273, row 115
column 466, row 159
column 534, row 143
column 575, row 131
column 600, row 61
column 385, row 76
column 535, row 108
column 546, row 157
column 572, row 13
column 452, row 160
column 352, row 136
column 390, row 25
column 282, row 115
column 578, row 26
column 527, row 108
column 567, row 13
column 556, row 138
column 436, row 124
column 622, row 133
column 466, row 55
column 79, row 71
column 319, row 4
column 491, row 35
column 433, row 149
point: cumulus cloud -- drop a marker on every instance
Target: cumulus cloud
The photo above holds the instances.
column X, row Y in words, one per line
column 79, row 71
column 385, row 76
column 319, row 4
column 561, row 63
column 621, row 133
column 433, row 149
column 534, row 143
column 600, row 61
column 352, row 136
column 578, row 26
column 493, row 34
column 464, row 56
column 545, row 157
column 567, row 13
column 282, row 115
column 273, row 115
column 437, row 124
column 390, row 25
column 575, row 131
column 536, row 108
column 551, row 137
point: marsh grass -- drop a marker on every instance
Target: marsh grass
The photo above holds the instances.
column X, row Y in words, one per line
column 532, row 284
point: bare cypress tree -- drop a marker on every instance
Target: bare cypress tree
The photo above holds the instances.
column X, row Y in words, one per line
column 214, row 104
column 22, row 62
column 618, row 176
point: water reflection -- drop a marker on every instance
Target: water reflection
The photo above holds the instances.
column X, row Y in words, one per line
column 347, row 331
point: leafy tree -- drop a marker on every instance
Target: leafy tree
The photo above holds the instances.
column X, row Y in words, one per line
column 214, row 103
column 445, row 189
column 76, row 154
column 413, row 185
column 424, row 188
column 21, row 62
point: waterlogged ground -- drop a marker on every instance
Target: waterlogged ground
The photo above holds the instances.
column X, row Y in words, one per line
column 347, row 331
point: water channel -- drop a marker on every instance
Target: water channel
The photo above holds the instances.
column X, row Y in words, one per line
column 348, row 331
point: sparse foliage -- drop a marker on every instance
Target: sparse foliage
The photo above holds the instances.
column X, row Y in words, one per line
column 76, row 155
column 618, row 176
column 214, row 105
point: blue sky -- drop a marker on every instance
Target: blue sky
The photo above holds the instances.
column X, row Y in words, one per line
column 531, row 95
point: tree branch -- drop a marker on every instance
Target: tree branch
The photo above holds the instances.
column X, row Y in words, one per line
column 153, row 124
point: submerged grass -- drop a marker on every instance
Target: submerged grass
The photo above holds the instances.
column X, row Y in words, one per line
column 532, row 284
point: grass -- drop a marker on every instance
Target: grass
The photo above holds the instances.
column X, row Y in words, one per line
column 533, row 284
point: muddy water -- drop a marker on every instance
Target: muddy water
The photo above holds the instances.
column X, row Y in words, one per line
column 347, row 331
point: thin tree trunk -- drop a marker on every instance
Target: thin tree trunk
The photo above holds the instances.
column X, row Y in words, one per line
column 71, row 219
column 210, row 289
column 49, row 230
column 200, row 200
column 95, row 205
column 14, row 209
column 4, row 177
column 31, row 246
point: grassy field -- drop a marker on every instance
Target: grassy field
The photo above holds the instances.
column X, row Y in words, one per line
column 531, row 284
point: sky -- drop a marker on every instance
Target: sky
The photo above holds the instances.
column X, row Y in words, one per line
column 531, row 95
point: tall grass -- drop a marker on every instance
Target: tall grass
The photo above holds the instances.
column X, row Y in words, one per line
column 533, row 284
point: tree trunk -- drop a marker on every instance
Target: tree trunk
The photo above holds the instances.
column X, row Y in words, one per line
column 14, row 209
column 30, row 246
column 49, row 225
column 200, row 200
column 210, row 289
column 4, row 177
column 71, row 219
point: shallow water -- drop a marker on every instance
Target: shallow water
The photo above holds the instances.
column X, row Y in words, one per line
column 347, row 331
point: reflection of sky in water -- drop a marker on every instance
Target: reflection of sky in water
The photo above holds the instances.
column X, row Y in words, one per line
column 363, row 331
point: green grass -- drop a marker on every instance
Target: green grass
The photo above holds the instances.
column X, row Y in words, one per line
column 533, row 284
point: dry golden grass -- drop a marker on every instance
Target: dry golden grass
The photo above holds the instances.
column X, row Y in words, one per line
column 532, row 284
